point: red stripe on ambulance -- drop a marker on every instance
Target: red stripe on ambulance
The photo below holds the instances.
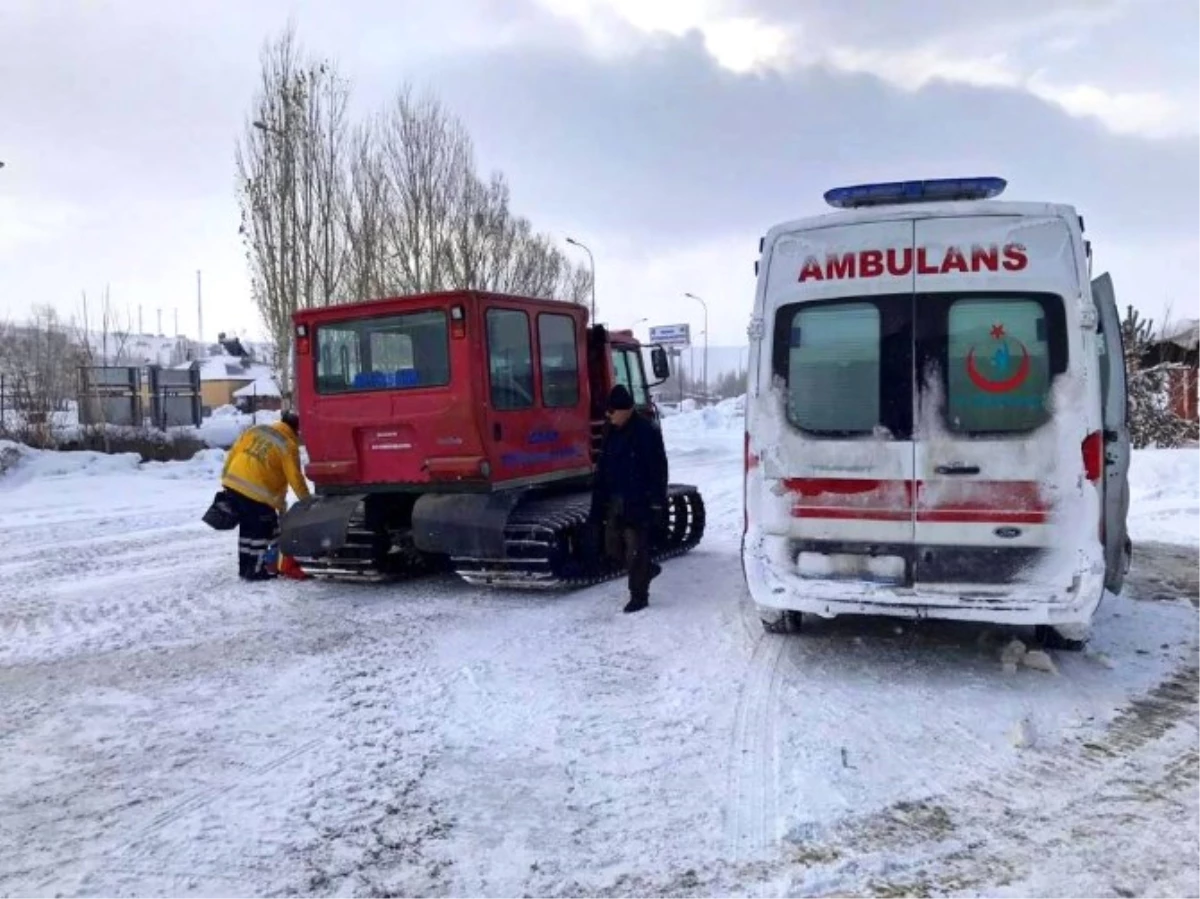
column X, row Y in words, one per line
column 969, row 502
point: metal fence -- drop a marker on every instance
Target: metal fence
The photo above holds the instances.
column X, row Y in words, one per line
column 110, row 395
column 175, row 397
column 117, row 395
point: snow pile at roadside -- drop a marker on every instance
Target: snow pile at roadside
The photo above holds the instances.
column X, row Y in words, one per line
column 727, row 415
column 1164, row 496
column 206, row 465
column 20, row 464
column 26, row 463
column 225, row 425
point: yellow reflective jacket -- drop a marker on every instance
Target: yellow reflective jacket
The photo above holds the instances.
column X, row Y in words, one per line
column 263, row 462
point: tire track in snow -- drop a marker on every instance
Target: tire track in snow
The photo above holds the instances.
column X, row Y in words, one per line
column 200, row 798
column 370, row 825
column 134, row 606
column 103, row 555
column 995, row 829
column 751, row 814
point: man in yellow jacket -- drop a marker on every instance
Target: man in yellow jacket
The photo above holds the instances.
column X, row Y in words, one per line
column 260, row 467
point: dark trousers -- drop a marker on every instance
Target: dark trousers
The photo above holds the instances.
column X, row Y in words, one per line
column 628, row 542
column 258, row 527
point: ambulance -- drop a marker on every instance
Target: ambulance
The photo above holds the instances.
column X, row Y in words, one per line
column 936, row 419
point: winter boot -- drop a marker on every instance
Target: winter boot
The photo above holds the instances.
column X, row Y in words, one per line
column 636, row 603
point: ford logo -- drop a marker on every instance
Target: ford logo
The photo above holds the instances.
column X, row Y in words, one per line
column 1007, row 533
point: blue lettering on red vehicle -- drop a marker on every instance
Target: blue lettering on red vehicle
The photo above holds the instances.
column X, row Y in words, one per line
column 523, row 458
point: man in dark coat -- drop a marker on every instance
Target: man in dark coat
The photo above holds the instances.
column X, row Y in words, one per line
column 630, row 493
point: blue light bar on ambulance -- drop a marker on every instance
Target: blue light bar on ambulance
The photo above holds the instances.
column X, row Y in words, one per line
column 933, row 191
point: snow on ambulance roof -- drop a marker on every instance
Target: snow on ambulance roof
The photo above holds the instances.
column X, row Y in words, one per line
column 899, row 200
column 905, row 211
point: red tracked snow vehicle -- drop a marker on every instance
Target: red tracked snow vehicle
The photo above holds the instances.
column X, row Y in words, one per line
column 461, row 430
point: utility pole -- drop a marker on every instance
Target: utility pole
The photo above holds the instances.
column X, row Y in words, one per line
column 159, row 310
column 592, row 264
column 176, row 334
column 141, row 329
column 199, row 309
column 705, row 305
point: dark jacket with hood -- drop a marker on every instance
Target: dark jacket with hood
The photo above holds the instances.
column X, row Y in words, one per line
column 633, row 468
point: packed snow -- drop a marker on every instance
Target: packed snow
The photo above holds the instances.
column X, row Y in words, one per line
column 168, row 730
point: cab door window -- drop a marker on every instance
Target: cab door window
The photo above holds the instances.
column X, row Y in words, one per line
column 559, row 356
column 510, row 360
column 627, row 370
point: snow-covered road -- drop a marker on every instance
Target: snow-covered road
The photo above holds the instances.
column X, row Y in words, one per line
column 166, row 730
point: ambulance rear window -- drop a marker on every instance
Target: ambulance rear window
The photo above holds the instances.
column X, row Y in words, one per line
column 998, row 366
column 833, row 368
column 987, row 360
column 847, row 365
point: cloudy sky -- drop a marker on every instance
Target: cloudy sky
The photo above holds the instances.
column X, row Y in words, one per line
column 665, row 134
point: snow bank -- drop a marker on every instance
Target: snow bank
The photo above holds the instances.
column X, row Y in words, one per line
column 727, row 415
column 226, row 424
column 205, row 465
column 28, row 464
column 1164, row 496
column 20, row 464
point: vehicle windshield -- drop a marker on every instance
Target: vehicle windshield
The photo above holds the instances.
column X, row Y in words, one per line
column 627, row 370
column 385, row 353
column 987, row 361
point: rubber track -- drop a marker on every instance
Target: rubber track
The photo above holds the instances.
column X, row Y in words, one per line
column 554, row 525
column 545, row 526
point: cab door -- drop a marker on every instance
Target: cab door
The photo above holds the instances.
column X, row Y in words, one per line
column 1115, row 415
column 512, row 402
column 629, row 371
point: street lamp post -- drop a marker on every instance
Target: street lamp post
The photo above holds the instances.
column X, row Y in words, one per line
column 592, row 263
column 692, row 296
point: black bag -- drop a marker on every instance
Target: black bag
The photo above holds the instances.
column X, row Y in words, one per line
column 221, row 515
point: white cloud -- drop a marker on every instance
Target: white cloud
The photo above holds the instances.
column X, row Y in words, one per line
column 744, row 43
column 739, row 43
column 1146, row 113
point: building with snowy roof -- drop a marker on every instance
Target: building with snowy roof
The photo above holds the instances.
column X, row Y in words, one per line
column 223, row 376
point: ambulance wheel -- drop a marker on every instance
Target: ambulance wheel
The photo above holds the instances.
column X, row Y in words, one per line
column 788, row 621
column 1052, row 638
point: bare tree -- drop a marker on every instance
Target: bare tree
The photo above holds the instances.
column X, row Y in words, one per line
column 450, row 229
column 394, row 206
column 292, row 188
column 366, row 207
column 38, row 365
column 428, row 162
